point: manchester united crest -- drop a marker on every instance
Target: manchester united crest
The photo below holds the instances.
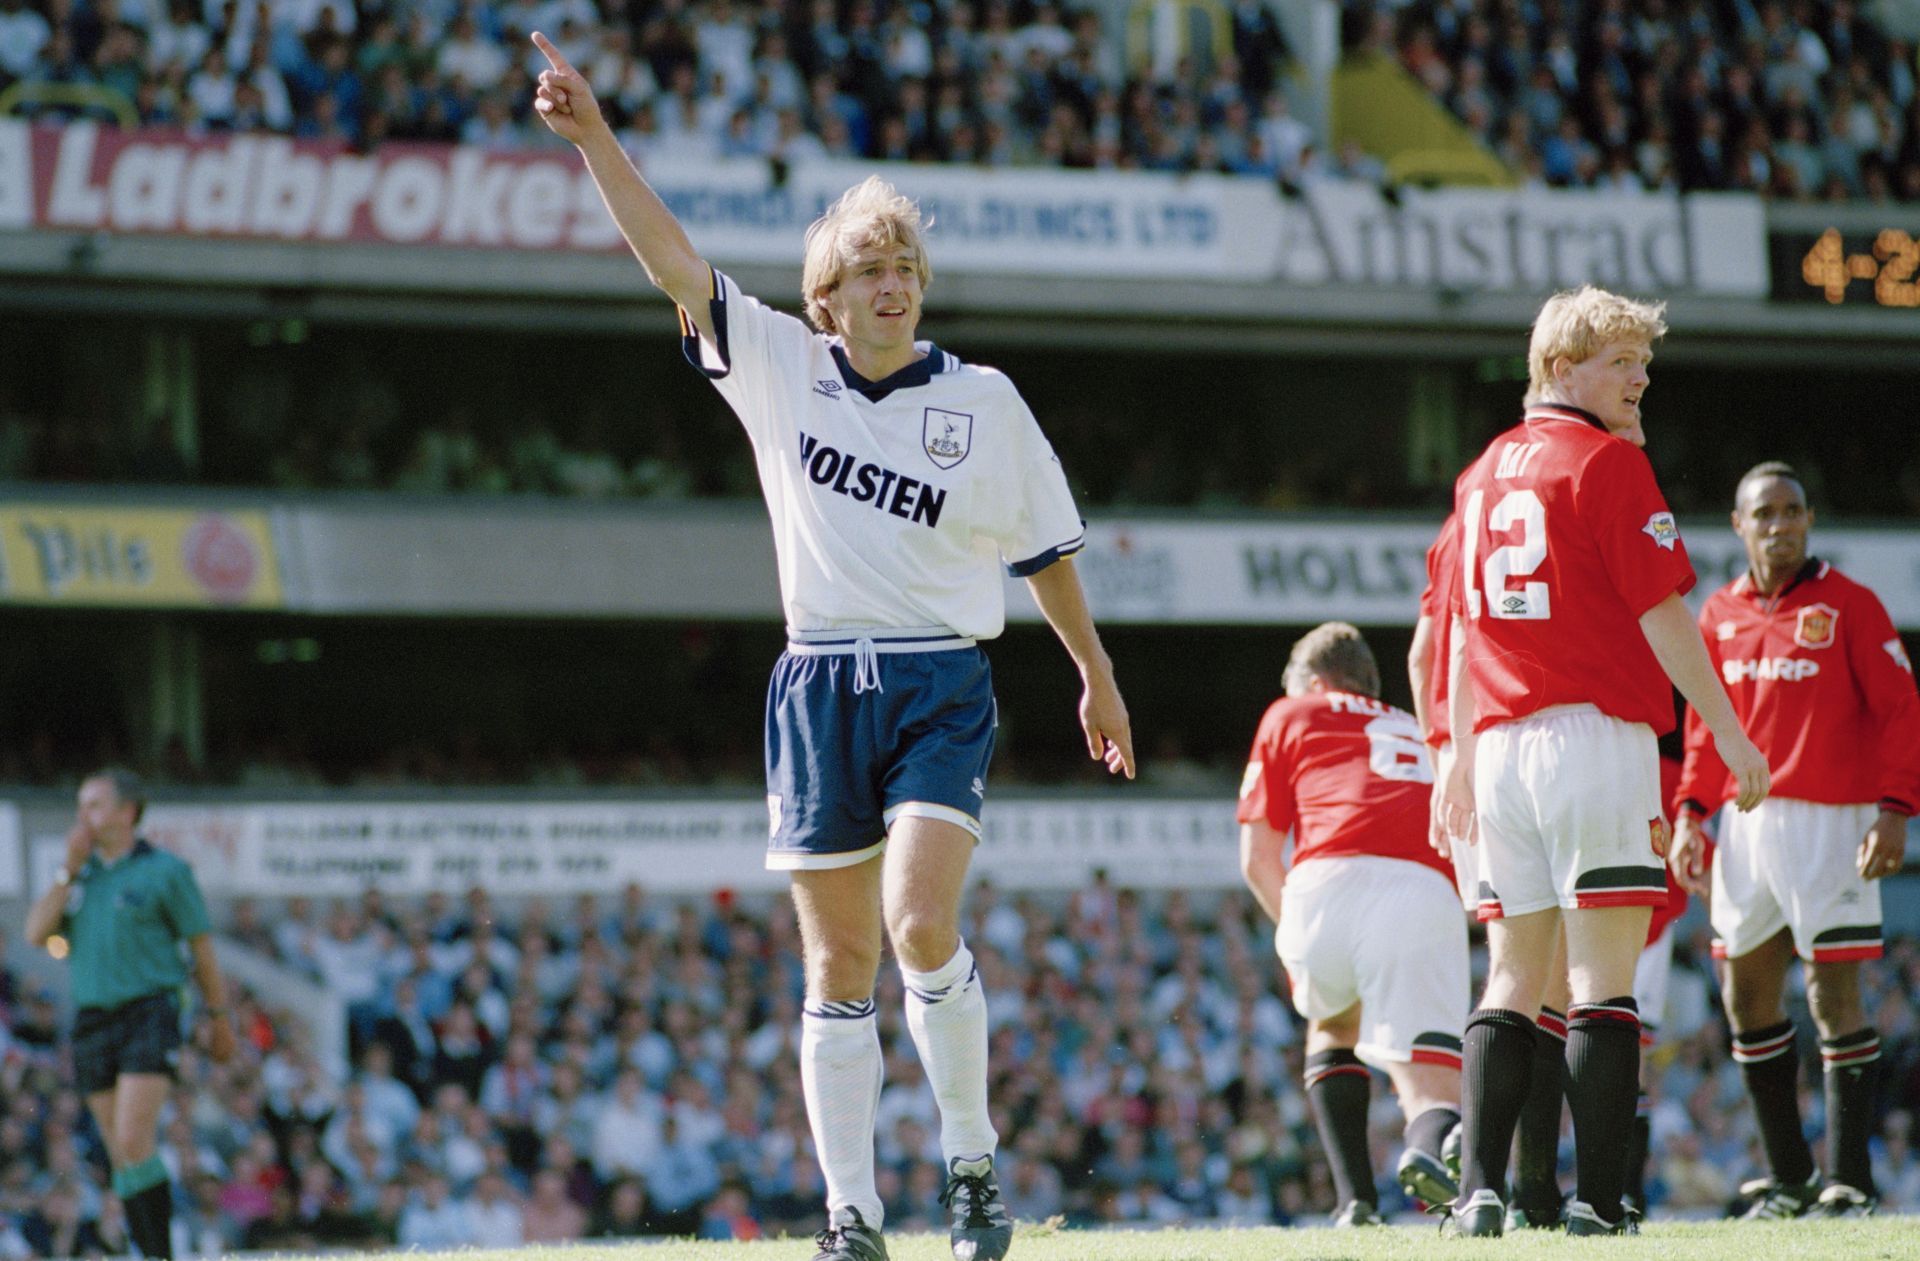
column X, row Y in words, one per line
column 1816, row 625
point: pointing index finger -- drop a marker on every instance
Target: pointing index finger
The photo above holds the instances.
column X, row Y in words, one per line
column 555, row 58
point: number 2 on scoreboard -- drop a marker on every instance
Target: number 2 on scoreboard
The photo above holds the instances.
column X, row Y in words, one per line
column 1530, row 602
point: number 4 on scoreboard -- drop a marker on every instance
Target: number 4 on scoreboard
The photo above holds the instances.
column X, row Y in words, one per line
column 1531, row 601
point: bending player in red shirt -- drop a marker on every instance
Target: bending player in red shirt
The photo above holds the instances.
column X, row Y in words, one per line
column 1819, row 676
column 1571, row 575
column 1369, row 925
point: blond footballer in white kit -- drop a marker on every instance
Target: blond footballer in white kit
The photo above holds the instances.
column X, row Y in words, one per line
column 901, row 484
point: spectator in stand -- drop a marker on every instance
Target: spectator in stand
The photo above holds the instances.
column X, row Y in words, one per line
column 863, row 82
column 433, row 1221
column 1737, row 96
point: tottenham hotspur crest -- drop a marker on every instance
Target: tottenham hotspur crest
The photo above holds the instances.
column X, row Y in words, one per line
column 947, row 436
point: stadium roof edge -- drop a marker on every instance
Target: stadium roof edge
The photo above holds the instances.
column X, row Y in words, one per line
column 358, row 284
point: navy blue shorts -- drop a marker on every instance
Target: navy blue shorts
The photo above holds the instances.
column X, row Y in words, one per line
column 142, row 1036
column 856, row 740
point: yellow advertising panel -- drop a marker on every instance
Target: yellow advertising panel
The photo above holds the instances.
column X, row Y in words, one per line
column 63, row 554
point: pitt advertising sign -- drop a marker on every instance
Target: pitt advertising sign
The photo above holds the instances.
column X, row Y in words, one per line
column 136, row 557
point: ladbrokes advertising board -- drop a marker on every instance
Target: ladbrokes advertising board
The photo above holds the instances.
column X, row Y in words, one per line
column 1000, row 221
column 91, row 178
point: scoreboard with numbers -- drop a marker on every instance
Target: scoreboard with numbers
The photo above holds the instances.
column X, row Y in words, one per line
column 1872, row 268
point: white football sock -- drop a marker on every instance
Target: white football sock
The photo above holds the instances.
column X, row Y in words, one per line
column 840, row 1071
column 947, row 1015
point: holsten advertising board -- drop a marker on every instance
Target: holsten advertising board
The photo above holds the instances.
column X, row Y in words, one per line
column 1302, row 572
column 990, row 221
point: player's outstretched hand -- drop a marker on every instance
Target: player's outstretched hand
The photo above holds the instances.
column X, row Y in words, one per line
column 1885, row 848
column 1687, row 856
column 1750, row 773
column 1103, row 717
column 563, row 100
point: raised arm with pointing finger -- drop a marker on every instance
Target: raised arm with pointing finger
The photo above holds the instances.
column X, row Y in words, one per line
column 565, row 102
column 904, row 486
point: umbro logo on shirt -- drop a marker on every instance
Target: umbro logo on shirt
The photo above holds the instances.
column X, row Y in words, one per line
column 827, row 389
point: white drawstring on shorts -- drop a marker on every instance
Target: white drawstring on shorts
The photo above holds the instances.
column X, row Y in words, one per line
column 866, row 667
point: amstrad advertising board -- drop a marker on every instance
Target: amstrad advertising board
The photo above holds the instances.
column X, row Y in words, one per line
column 1524, row 240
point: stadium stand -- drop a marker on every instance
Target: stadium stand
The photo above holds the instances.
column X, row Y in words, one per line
column 544, row 1073
column 1801, row 101
column 993, row 83
column 1797, row 101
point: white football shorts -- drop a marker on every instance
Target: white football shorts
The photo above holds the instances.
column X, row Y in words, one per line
column 1387, row 934
column 1790, row 864
column 1650, row 977
column 1568, row 801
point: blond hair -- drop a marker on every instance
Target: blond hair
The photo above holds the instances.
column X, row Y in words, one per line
column 1336, row 652
column 1576, row 323
column 873, row 214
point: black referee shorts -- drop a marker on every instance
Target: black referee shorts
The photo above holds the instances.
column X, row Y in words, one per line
column 142, row 1036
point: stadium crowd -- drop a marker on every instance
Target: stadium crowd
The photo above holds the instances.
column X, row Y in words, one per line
column 608, row 1070
column 994, row 82
column 1793, row 99
column 1797, row 99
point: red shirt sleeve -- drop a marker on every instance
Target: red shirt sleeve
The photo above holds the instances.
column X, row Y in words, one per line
column 1436, row 604
column 1639, row 543
column 1266, row 792
column 1885, row 675
column 1703, row 776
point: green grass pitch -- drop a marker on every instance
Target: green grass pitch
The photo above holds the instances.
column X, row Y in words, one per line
column 1880, row 1239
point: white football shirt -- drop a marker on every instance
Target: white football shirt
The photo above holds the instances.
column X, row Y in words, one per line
column 896, row 504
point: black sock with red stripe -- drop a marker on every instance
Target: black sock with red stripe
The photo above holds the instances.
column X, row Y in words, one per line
column 1497, row 1068
column 1768, row 1061
column 1852, row 1063
column 1536, row 1174
column 1603, row 1078
column 1339, row 1087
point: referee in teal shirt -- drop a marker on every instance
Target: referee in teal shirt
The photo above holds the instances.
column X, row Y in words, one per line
column 125, row 908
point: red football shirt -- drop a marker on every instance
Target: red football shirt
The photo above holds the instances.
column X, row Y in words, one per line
column 1821, row 682
column 1437, row 602
column 1347, row 775
column 1564, row 542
